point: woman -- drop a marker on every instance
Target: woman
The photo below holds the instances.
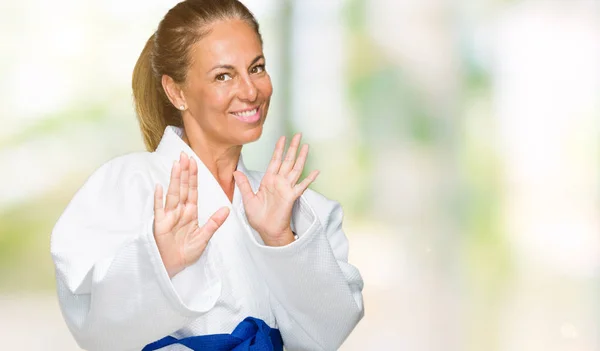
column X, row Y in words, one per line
column 226, row 258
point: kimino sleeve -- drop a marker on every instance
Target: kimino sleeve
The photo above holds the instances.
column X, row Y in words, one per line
column 316, row 295
column 113, row 289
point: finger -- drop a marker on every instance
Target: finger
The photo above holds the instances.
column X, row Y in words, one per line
column 173, row 191
column 244, row 185
column 277, row 154
column 193, row 185
column 158, row 201
column 214, row 222
column 294, row 175
column 302, row 186
column 185, row 171
column 290, row 156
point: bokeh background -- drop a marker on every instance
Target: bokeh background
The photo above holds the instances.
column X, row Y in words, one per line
column 461, row 137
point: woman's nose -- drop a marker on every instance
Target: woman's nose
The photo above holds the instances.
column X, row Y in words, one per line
column 248, row 90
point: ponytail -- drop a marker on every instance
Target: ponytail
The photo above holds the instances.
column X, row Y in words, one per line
column 153, row 109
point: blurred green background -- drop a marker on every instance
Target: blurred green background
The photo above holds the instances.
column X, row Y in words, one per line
column 462, row 139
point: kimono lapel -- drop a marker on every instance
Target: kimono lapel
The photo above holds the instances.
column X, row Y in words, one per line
column 210, row 195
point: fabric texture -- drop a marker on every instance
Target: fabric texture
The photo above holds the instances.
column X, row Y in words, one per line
column 115, row 293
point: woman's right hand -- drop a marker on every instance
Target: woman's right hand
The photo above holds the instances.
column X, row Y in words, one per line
column 179, row 239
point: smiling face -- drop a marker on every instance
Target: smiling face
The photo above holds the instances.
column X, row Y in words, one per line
column 227, row 89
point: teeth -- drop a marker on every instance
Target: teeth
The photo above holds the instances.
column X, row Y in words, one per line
column 246, row 113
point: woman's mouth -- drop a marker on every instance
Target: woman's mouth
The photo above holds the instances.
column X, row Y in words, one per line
column 248, row 116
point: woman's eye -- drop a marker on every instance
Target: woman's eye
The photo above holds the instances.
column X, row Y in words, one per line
column 223, row 77
column 258, row 69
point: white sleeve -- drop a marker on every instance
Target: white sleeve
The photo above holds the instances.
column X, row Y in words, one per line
column 315, row 293
column 113, row 289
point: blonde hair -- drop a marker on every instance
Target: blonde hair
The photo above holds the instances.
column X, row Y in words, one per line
column 167, row 52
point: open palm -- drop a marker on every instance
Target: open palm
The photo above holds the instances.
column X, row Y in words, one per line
column 269, row 211
column 180, row 240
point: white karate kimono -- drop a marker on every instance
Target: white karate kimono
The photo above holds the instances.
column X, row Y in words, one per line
column 115, row 293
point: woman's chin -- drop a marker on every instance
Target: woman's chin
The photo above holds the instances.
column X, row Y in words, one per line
column 250, row 135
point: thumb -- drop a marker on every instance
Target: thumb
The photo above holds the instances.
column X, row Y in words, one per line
column 244, row 185
column 215, row 221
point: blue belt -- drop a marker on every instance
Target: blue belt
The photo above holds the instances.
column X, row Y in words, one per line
column 252, row 334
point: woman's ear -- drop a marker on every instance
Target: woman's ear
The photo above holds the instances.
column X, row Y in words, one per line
column 174, row 92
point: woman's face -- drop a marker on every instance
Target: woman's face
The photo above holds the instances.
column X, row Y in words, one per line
column 227, row 89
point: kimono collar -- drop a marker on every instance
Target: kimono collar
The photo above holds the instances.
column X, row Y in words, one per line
column 171, row 145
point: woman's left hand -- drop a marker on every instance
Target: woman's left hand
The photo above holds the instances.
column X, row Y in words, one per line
column 269, row 211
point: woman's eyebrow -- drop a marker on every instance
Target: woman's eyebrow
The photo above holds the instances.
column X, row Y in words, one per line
column 222, row 66
column 256, row 59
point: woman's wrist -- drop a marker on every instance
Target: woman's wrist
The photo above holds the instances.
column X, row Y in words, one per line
column 286, row 238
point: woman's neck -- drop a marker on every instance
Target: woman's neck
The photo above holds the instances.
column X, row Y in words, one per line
column 220, row 160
